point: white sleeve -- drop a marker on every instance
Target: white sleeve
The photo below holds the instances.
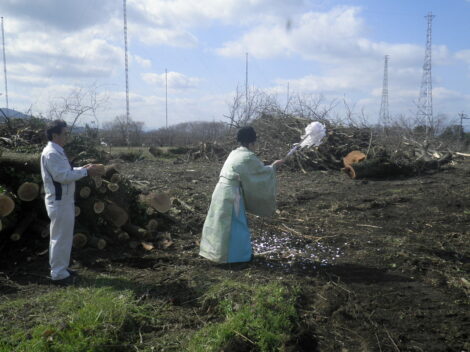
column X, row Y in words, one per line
column 61, row 171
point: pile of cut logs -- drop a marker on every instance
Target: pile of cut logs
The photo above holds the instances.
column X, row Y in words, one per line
column 108, row 209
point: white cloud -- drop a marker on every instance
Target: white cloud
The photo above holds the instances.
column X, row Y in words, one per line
column 145, row 63
column 463, row 55
column 176, row 80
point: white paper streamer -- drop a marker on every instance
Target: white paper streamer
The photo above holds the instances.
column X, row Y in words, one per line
column 313, row 136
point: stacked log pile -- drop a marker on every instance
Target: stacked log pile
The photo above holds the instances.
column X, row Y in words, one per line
column 109, row 210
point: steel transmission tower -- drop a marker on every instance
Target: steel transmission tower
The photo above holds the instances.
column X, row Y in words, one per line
column 384, row 116
column 127, row 73
column 5, row 65
column 425, row 97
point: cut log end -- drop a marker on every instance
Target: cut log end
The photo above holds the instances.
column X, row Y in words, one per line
column 77, row 211
column 113, row 187
column 98, row 243
column 160, row 201
column 115, row 215
column 123, row 236
column 98, row 181
column 80, row 240
column 85, row 192
column 7, row 205
column 28, row 191
column 115, row 178
column 152, row 225
column 98, row 207
column 15, row 236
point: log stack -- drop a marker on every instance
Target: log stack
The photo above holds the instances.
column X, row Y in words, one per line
column 109, row 210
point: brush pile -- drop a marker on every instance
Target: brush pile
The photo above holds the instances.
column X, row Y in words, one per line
column 277, row 134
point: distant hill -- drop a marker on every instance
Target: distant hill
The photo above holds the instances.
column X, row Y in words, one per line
column 12, row 114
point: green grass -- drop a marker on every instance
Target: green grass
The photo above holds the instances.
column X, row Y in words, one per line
column 261, row 316
column 69, row 320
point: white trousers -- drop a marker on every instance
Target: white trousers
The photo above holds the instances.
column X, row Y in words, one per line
column 62, row 215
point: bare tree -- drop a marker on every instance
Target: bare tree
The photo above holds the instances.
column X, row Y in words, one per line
column 80, row 102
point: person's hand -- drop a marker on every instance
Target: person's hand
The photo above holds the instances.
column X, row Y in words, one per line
column 93, row 169
column 278, row 163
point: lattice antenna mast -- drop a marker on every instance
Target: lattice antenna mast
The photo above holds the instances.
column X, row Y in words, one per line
column 5, row 65
column 384, row 116
column 127, row 74
column 425, row 114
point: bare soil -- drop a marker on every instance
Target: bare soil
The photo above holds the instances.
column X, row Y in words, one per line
column 382, row 265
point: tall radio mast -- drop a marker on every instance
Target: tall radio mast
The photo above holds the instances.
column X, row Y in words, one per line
column 384, row 116
column 425, row 114
column 5, row 65
column 127, row 73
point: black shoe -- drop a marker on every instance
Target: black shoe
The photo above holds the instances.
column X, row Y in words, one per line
column 72, row 272
column 68, row 281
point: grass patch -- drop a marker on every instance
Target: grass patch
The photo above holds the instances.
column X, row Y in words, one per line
column 261, row 317
column 69, row 320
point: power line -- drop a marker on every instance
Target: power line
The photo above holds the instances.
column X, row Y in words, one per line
column 5, row 65
column 425, row 114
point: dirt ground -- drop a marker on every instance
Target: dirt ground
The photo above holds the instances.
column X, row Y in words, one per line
column 382, row 265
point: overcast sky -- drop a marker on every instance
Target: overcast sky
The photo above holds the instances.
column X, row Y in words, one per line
column 329, row 47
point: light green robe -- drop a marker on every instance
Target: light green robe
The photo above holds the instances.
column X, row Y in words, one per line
column 243, row 178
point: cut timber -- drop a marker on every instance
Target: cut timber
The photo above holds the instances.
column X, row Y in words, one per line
column 98, row 207
column 134, row 244
column 28, row 191
column 147, row 245
column 113, row 187
column 160, row 201
column 462, row 154
column 100, row 169
column 135, row 231
column 97, row 242
column 21, row 161
column 152, row 226
column 115, row 214
column 77, row 211
column 110, row 170
column 23, row 225
column 103, row 189
column 123, row 236
column 80, row 240
column 353, row 157
column 98, row 181
column 115, row 178
column 85, row 192
column 7, row 205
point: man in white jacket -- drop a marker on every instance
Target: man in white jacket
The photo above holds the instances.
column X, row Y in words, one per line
column 59, row 185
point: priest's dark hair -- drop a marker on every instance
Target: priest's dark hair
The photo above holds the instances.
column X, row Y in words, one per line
column 246, row 135
column 56, row 127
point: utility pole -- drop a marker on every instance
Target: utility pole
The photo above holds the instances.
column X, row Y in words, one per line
column 127, row 74
column 462, row 117
column 384, row 116
column 166, row 99
column 246, row 87
column 5, row 65
column 425, row 113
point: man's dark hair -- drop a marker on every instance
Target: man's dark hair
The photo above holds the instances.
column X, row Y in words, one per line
column 246, row 135
column 56, row 127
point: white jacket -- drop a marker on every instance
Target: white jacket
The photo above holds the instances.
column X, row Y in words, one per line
column 57, row 174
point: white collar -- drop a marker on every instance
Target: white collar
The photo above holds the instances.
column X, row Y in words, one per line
column 56, row 147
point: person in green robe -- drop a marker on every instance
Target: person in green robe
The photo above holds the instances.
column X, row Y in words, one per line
column 245, row 185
